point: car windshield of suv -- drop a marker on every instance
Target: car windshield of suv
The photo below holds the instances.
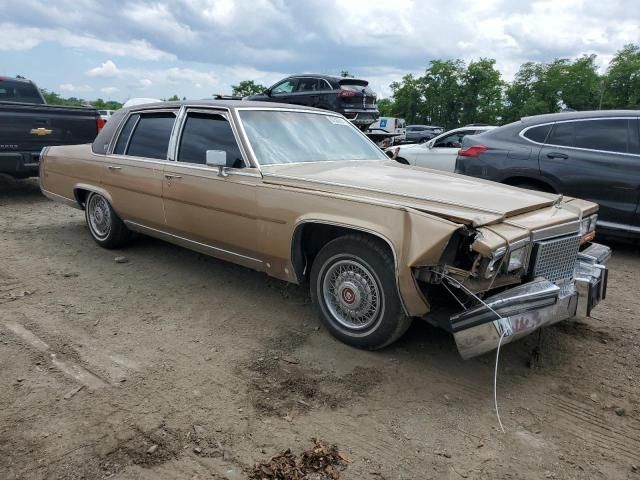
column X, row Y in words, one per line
column 293, row 137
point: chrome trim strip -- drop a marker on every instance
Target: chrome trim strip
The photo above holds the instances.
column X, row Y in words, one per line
column 618, row 226
column 442, row 202
column 194, row 245
column 581, row 149
column 60, row 198
column 567, row 228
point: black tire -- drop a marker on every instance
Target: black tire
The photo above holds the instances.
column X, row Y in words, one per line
column 365, row 268
column 105, row 226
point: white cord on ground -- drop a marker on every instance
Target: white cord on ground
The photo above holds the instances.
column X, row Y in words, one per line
column 495, row 382
column 505, row 329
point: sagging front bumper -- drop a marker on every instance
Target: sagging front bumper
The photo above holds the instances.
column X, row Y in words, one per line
column 527, row 307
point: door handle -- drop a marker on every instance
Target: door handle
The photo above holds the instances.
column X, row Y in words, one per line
column 171, row 177
column 557, row 155
column 112, row 167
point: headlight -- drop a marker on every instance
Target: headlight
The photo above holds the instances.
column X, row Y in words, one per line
column 517, row 259
column 588, row 228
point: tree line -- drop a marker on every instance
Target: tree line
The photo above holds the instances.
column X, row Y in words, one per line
column 452, row 93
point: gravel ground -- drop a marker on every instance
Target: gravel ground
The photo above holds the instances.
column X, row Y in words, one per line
column 176, row 365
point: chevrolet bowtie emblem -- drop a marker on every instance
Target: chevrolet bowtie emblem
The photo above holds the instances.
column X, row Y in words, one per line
column 41, row 131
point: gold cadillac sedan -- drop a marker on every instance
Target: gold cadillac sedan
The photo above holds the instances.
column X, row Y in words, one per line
column 304, row 196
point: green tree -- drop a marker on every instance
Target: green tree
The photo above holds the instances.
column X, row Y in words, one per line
column 407, row 99
column 385, row 107
column 101, row 104
column 580, row 84
column 246, row 88
column 621, row 84
column 481, row 93
column 53, row 98
column 441, row 93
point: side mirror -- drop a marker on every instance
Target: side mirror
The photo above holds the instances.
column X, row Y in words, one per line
column 430, row 144
column 267, row 92
column 217, row 158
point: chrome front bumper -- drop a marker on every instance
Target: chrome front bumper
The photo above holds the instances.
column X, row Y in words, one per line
column 521, row 310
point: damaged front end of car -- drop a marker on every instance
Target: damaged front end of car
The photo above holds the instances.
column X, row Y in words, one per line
column 503, row 283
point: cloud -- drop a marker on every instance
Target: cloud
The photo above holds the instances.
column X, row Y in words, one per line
column 109, row 90
column 107, row 69
column 193, row 46
column 14, row 37
column 70, row 87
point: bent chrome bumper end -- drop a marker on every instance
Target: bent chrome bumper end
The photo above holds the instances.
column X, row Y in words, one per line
column 521, row 310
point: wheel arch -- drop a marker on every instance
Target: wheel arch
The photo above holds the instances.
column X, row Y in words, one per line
column 81, row 192
column 328, row 230
column 545, row 183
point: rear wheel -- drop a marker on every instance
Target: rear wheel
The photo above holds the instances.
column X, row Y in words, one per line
column 105, row 226
column 353, row 287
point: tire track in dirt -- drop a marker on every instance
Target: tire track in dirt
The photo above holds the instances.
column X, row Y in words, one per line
column 592, row 427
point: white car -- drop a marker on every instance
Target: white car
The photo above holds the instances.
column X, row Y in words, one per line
column 105, row 114
column 438, row 153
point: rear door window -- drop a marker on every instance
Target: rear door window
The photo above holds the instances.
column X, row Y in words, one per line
column 202, row 132
column 610, row 135
column 563, row 134
column 150, row 139
column 309, row 85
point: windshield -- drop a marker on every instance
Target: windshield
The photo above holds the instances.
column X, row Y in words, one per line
column 293, row 137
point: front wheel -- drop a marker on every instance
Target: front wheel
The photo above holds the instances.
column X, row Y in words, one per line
column 105, row 226
column 353, row 287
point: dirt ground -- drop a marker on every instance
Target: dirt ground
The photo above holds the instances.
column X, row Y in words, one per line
column 193, row 368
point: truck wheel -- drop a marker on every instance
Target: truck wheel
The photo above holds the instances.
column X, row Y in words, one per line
column 106, row 228
column 353, row 287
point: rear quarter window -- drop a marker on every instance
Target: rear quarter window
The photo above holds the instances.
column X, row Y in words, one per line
column 537, row 134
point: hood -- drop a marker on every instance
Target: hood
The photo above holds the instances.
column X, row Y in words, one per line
column 455, row 197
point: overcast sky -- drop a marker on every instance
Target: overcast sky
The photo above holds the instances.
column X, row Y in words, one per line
column 121, row 49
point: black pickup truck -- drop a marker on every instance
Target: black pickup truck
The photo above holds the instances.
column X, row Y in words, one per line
column 27, row 124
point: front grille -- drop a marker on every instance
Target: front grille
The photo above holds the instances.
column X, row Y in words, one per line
column 555, row 259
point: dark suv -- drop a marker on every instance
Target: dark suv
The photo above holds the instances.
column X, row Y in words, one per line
column 349, row 96
column 422, row 133
column 590, row 155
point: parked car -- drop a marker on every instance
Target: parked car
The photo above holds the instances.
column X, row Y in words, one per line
column 421, row 133
column 27, row 124
column 105, row 114
column 392, row 125
column 303, row 195
column 349, row 96
column 591, row 155
column 438, row 153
